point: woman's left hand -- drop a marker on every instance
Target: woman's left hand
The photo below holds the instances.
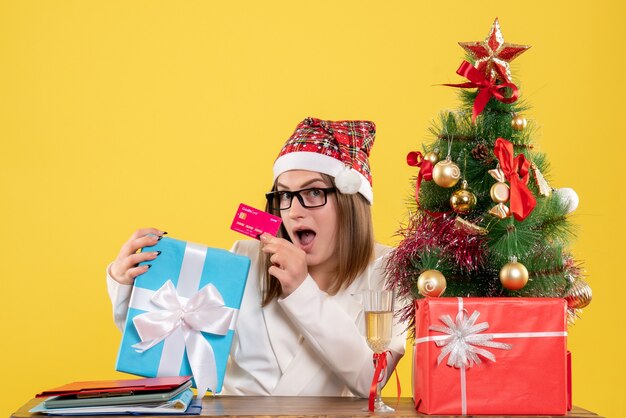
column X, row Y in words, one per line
column 288, row 262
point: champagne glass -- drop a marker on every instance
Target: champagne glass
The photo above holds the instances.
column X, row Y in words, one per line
column 378, row 307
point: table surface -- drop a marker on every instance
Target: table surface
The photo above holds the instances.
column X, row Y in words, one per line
column 265, row 406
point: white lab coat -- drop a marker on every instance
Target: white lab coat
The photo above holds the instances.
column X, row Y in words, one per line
column 307, row 344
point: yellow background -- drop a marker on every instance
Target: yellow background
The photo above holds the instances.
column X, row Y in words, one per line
column 116, row 115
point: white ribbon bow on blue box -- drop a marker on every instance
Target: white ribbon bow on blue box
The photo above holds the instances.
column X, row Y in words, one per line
column 182, row 314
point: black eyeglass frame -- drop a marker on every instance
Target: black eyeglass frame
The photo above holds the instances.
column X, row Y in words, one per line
column 296, row 193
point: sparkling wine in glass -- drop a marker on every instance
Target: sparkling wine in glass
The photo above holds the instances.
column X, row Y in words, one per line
column 378, row 307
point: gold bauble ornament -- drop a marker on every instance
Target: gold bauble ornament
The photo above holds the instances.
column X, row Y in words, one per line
column 446, row 173
column 432, row 156
column 514, row 275
column 463, row 200
column 431, row 283
column 499, row 192
column 579, row 295
column 518, row 123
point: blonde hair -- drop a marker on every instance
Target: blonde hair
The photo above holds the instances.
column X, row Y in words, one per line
column 355, row 243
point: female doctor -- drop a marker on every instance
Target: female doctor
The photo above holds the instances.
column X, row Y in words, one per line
column 300, row 330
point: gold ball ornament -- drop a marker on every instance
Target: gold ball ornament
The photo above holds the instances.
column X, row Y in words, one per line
column 579, row 295
column 432, row 156
column 446, row 173
column 463, row 200
column 514, row 275
column 518, row 123
column 431, row 283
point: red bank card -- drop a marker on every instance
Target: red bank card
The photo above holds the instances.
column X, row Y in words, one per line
column 253, row 222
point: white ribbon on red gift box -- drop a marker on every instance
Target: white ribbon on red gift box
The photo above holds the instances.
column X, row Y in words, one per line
column 463, row 340
column 178, row 315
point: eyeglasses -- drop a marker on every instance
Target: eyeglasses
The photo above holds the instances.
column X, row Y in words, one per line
column 308, row 198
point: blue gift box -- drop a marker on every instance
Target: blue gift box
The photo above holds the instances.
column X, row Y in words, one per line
column 185, row 276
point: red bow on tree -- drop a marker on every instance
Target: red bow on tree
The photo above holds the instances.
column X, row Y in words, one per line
column 486, row 88
column 515, row 169
column 416, row 159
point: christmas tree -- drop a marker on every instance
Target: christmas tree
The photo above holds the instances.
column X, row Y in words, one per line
column 484, row 221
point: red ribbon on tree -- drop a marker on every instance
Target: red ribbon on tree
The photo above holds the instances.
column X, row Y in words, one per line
column 515, row 169
column 416, row 159
column 487, row 88
column 381, row 365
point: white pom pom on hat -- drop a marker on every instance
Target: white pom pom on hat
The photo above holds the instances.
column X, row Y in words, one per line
column 348, row 181
column 339, row 149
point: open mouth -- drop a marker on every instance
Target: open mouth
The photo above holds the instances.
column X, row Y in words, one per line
column 305, row 236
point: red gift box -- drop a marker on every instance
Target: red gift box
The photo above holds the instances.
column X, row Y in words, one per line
column 490, row 356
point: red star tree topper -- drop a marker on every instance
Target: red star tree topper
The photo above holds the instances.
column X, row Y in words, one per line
column 493, row 55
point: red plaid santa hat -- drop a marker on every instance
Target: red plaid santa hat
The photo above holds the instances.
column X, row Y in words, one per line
column 339, row 149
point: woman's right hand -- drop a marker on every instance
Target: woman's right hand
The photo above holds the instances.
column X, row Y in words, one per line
column 124, row 269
